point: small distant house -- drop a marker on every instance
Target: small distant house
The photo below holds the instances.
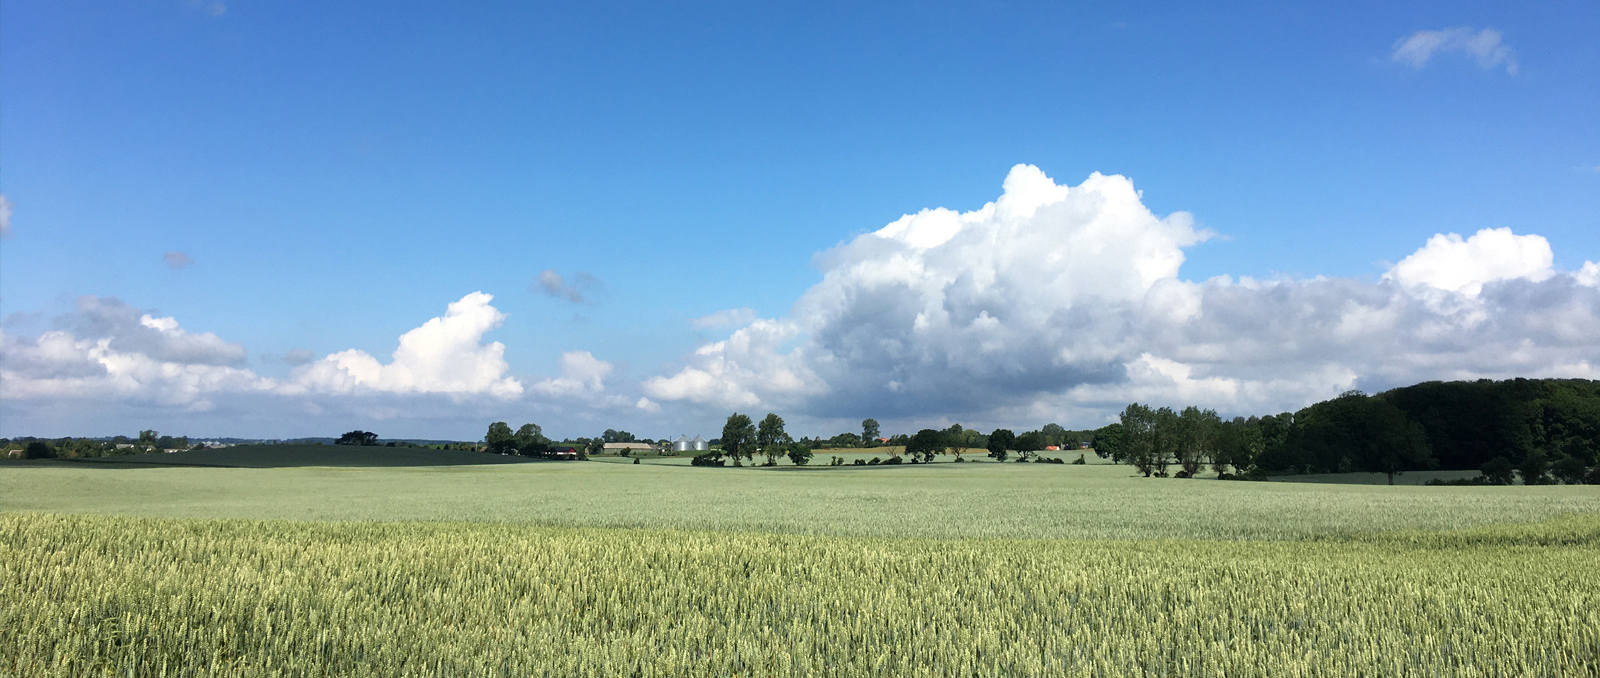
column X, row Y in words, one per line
column 562, row 453
column 1083, row 445
column 1052, row 448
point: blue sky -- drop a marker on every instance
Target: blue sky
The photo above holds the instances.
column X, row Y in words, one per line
column 329, row 176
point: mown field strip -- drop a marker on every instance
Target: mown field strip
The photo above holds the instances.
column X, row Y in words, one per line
column 94, row 595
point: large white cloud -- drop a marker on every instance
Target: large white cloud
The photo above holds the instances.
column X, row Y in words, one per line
column 444, row 355
column 1063, row 302
column 106, row 350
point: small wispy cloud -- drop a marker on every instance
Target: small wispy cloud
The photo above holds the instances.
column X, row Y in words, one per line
column 579, row 290
column 5, row 216
column 1486, row 45
column 211, row 8
column 177, row 260
column 733, row 317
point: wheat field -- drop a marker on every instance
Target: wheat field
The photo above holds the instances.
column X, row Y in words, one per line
column 118, row 596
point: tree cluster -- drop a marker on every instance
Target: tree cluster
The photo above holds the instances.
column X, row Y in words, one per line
column 1538, row 430
column 528, row 440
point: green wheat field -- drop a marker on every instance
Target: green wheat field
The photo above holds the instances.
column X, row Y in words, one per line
column 607, row 569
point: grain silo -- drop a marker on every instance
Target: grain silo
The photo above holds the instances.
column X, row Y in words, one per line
column 700, row 444
column 683, row 444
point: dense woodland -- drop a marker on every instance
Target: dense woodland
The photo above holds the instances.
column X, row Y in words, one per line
column 1541, row 430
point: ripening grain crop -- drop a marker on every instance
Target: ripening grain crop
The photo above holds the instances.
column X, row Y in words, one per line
column 137, row 596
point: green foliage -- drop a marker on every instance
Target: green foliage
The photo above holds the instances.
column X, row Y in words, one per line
column 739, row 437
column 1111, row 442
column 614, row 436
column 712, row 458
column 500, row 438
column 925, row 444
column 870, row 432
column 771, row 439
column 530, row 441
column 359, row 438
column 799, row 454
column 38, row 450
column 1497, row 471
column 1000, row 442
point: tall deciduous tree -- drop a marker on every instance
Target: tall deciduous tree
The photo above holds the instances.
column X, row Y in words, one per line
column 738, row 437
column 1111, row 442
column 500, row 438
column 869, row 432
column 926, row 443
column 1000, row 443
column 1028, row 445
column 530, row 440
column 771, row 439
column 1139, row 434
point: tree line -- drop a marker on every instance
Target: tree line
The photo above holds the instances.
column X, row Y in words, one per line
column 29, row 447
column 1541, row 430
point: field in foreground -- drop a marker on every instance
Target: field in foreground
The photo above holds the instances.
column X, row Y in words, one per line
column 101, row 595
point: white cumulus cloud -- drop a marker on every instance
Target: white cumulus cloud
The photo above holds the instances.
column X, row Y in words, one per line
column 1447, row 262
column 1057, row 301
column 444, row 355
column 581, row 373
column 1485, row 45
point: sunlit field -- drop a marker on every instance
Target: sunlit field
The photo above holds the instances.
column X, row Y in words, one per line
column 659, row 569
column 98, row 595
column 945, row 500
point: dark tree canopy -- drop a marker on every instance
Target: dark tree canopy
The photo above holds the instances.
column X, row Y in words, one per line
column 738, row 437
column 926, row 443
column 1000, row 442
column 357, row 438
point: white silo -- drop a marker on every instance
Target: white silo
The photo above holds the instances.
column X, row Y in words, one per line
column 700, row 444
column 682, row 444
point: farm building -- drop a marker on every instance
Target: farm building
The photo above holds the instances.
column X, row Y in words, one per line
column 627, row 448
column 561, row 452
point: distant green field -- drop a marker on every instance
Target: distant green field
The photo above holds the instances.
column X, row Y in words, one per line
column 943, row 500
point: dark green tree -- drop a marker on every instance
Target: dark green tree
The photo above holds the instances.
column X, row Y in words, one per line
column 1139, row 433
column 363, row 438
column 1110, row 442
column 1000, row 443
column 924, row 444
column 1028, row 445
column 1498, row 471
column 500, row 438
column 869, row 432
column 1535, row 468
column 771, row 439
column 612, row 436
column 530, row 440
column 799, row 454
column 738, row 438
column 38, row 450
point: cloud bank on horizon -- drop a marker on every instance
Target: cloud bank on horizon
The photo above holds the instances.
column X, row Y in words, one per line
column 1053, row 302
